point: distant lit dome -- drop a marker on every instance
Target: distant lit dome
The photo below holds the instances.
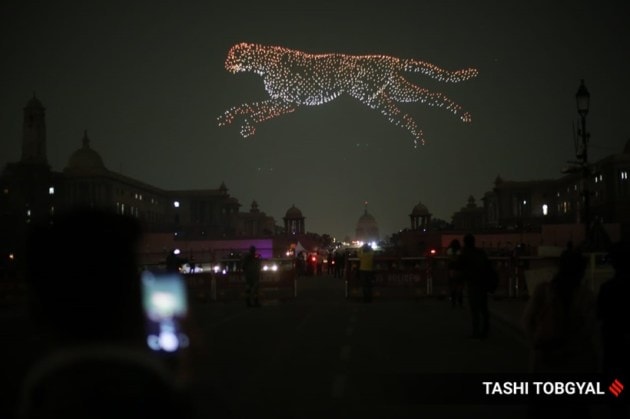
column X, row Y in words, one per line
column 367, row 219
column 367, row 228
column 420, row 210
column 85, row 159
column 293, row 212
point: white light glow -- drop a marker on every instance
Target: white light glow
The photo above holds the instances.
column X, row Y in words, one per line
column 272, row 268
column 165, row 303
column 168, row 341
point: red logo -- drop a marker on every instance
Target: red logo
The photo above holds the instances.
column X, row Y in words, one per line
column 616, row 388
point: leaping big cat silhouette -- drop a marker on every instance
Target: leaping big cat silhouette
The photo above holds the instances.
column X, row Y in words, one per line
column 294, row 78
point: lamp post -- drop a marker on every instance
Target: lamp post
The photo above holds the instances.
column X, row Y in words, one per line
column 582, row 98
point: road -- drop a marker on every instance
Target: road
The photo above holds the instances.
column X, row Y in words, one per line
column 321, row 355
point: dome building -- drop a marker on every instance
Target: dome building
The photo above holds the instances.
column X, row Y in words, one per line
column 367, row 228
column 85, row 160
column 420, row 217
column 294, row 221
column 33, row 192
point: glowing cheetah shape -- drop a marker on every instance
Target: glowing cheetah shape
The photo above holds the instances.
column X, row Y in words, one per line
column 294, row 78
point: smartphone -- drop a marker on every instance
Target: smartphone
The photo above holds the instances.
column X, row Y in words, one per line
column 165, row 304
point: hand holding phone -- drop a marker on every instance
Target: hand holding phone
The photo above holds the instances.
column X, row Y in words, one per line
column 165, row 303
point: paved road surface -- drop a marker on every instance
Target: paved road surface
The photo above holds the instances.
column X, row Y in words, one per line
column 322, row 356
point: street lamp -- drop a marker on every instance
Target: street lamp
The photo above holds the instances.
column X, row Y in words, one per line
column 582, row 99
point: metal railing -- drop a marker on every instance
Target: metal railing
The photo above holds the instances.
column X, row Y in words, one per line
column 429, row 276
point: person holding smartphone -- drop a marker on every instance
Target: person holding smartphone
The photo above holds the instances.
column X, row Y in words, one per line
column 86, row 306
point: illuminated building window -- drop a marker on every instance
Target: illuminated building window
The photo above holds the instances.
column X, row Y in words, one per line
column 545, row 209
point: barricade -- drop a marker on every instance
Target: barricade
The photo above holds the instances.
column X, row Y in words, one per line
column 393, row 278
column 428, row 277
column 226, row 281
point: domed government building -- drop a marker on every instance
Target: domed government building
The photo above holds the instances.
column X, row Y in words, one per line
column 367, row 228
column 31, row 192
column 533, row 212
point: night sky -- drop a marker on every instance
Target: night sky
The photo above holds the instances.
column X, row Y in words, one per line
column 147, row 81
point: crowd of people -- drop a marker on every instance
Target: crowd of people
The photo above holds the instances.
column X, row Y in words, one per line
column 91, row 319
column 572, row 330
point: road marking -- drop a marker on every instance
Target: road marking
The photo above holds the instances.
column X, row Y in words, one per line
column 339, row 385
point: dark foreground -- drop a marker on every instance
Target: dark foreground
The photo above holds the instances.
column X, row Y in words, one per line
column 321, row 355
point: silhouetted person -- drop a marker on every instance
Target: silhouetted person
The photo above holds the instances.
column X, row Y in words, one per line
column 330, row 263
column 319, row 263
column 251, row 270
column 366, row 271
column 559, row 321
column 86, row 305
column 173, row 262
column 613, row 311
column 300, row 264
column 340, row 262
column 472, row 265
column 455, row 282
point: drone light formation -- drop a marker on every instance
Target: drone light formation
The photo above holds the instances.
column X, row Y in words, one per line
column 294, row 78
